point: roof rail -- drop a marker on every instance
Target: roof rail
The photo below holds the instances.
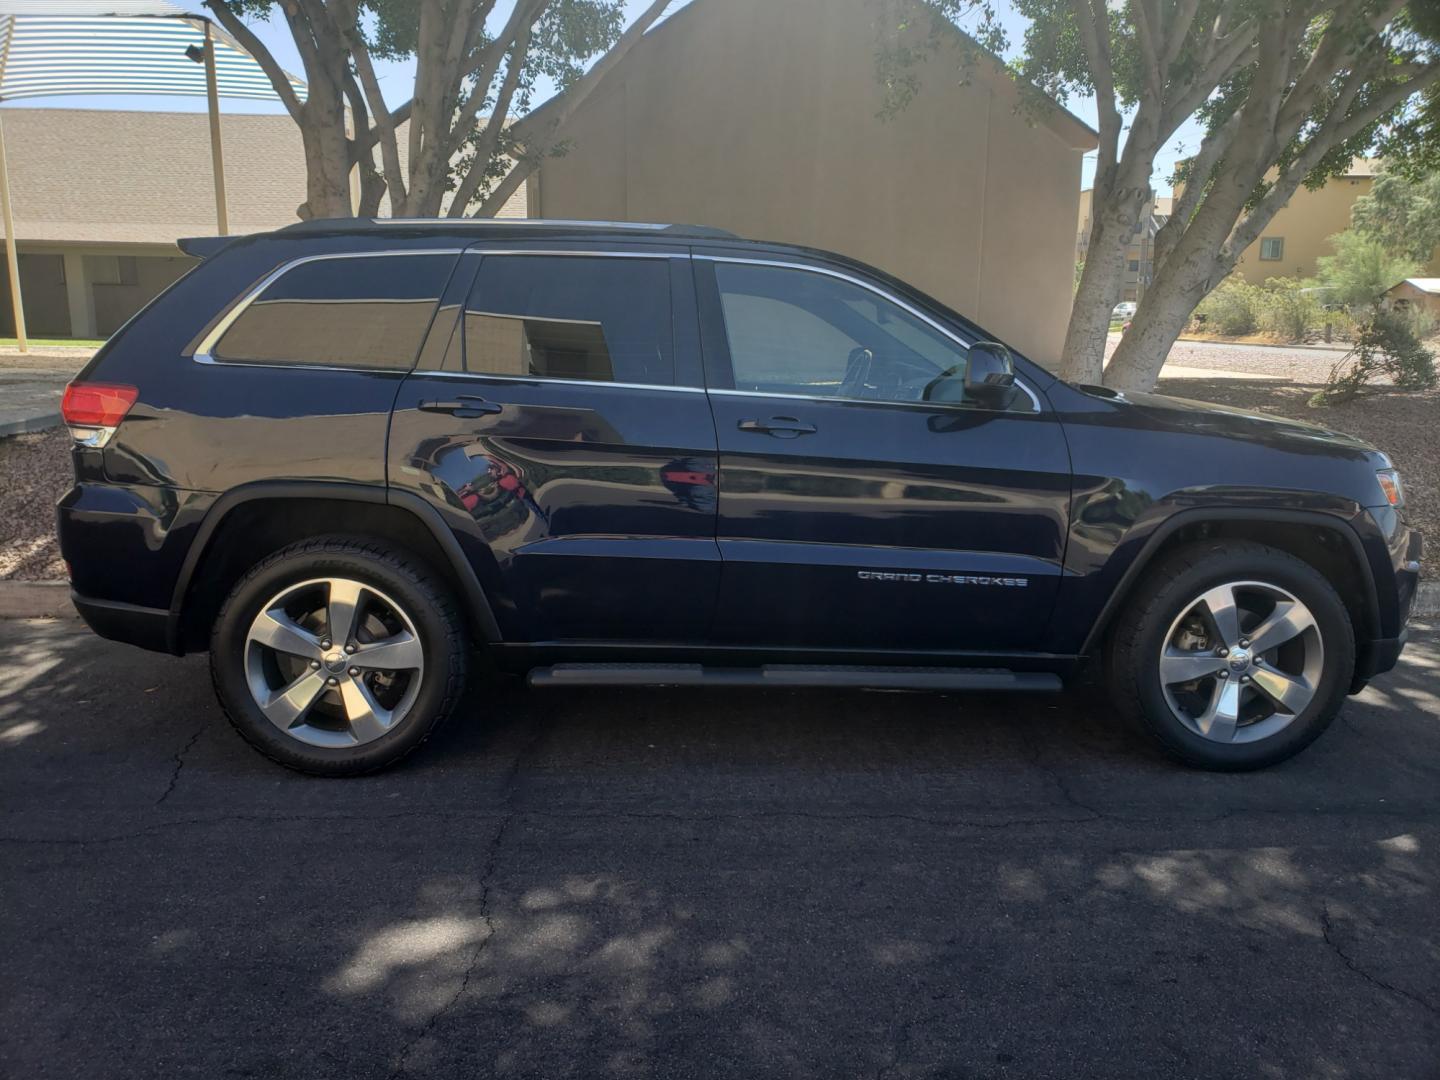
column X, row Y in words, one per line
column 516, row 224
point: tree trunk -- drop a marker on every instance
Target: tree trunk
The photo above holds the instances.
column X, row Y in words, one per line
column 327, row 154
column 1095, row 298
column 1181, row 282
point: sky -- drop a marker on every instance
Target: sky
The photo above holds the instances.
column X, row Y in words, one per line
column 396, row 80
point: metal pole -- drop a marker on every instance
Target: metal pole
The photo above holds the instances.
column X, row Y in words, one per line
column 11, row 258
column 217, row 158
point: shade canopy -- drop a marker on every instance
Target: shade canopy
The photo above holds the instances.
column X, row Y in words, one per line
column 58, row 47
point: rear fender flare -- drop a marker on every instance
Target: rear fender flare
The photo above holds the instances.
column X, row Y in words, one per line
column 473, row 594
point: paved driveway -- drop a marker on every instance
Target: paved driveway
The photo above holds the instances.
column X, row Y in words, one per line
column 706, row 884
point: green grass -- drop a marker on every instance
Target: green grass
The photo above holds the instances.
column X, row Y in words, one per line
column 52, row 342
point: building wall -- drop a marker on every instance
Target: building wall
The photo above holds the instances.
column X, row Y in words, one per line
column 1306, row 224
column 761, row 118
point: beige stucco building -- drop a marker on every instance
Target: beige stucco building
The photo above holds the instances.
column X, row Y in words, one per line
column 763, row 118
column 1300, row 231
column 101, row 196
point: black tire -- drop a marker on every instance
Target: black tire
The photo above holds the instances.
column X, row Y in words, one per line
column 425, row 600
column 1163, row 595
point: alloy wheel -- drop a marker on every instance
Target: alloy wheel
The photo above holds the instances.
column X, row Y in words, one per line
column 333, row 662
column 1241, row 662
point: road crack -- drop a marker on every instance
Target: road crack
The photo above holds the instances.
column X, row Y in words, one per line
column 1325, row 931
column 509, row 811
column 179, row 760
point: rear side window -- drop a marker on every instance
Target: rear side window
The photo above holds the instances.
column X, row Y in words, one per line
column 354, row 312
column 600, row 319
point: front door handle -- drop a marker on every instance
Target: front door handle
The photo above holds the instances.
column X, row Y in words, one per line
column 782, row 427
column 467, row 407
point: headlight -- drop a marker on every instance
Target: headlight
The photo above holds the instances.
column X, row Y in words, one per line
column 1390, row 485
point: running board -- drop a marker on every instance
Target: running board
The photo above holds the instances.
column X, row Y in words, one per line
column 782, row 675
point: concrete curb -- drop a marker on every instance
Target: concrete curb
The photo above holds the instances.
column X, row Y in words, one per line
column 35, row 600
column 30, row 424
column 1336, row 348
column 51, row 600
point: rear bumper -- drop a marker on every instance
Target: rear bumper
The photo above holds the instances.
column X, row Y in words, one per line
column 149, row 628
column 1377, row 657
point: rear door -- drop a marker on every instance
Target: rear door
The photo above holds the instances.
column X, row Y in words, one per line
column 855, row 513
column 557, row 419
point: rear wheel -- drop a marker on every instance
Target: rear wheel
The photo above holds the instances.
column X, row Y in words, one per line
column 338, row 656
column 1234, row 656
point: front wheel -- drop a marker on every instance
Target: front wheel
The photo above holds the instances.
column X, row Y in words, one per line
column 1236, row 656
column 338, row 656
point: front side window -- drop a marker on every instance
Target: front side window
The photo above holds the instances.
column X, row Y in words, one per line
column 351, row 312
column 1272, row 248
column 590, row 319
column 792, row 331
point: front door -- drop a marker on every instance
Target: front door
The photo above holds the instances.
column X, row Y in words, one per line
column 560, row 425
column 855, row 513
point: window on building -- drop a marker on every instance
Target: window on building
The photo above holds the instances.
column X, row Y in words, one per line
column 600, row 319
column 1272, row 248
column 795, row 332
column 1134, row 266
column 355, row 312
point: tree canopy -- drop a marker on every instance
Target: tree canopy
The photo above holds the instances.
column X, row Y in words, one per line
column 472, row 80
column 1287, row 92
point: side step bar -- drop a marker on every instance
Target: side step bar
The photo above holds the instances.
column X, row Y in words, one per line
column 783, row 675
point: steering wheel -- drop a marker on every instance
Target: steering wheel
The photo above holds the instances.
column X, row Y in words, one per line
column 857, row 372
column 946, row 376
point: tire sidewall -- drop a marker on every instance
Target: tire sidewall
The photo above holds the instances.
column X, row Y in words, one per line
column 1336, row 636
column 227, row 659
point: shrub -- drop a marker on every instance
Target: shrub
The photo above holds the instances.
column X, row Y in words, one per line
column 1361, row 269
column 1288, row 311
column 1233, row 308
column 1385, row 345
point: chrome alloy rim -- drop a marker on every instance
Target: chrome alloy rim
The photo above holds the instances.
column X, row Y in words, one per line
column 333, row 662
column 1241, row 661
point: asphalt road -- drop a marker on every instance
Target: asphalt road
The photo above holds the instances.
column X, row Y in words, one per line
column 720, row 884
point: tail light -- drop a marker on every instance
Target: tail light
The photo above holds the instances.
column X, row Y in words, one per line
column 93, row 411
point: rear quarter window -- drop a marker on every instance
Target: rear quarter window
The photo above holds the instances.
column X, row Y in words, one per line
column 351, row 311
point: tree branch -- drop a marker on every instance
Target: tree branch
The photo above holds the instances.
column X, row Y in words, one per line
column 349, row 31
column 1334, row 131
column 256, row 48
column 489, row 139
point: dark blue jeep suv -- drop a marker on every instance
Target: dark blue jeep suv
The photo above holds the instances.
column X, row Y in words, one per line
column 345, row 455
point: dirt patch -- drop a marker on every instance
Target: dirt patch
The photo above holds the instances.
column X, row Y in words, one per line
column 1403, row 425
column 36, row 471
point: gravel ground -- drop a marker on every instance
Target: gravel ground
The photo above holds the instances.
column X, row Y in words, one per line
column 56, row 359
column 1301, row 365
column 34, row 473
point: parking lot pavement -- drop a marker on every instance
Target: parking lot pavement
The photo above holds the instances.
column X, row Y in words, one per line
column 666, row 883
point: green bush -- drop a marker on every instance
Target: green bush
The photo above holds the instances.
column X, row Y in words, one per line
column 1288, row 311
column 1385, row 345
column 1361, row 269
column 1232, row 309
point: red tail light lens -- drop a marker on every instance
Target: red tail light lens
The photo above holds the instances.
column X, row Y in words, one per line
column 96, row 405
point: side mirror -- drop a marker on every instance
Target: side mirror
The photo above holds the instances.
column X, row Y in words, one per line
column 990, row 374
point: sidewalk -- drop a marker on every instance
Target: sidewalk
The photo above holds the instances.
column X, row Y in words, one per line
column 31, row 385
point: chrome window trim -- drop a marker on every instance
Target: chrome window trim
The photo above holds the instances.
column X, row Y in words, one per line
column 578, row 253
column 868, row 287
column 205, row 351
column 497, row 378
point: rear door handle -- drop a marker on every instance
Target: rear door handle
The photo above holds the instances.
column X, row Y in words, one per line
column 782, row 427
column 467, row 407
